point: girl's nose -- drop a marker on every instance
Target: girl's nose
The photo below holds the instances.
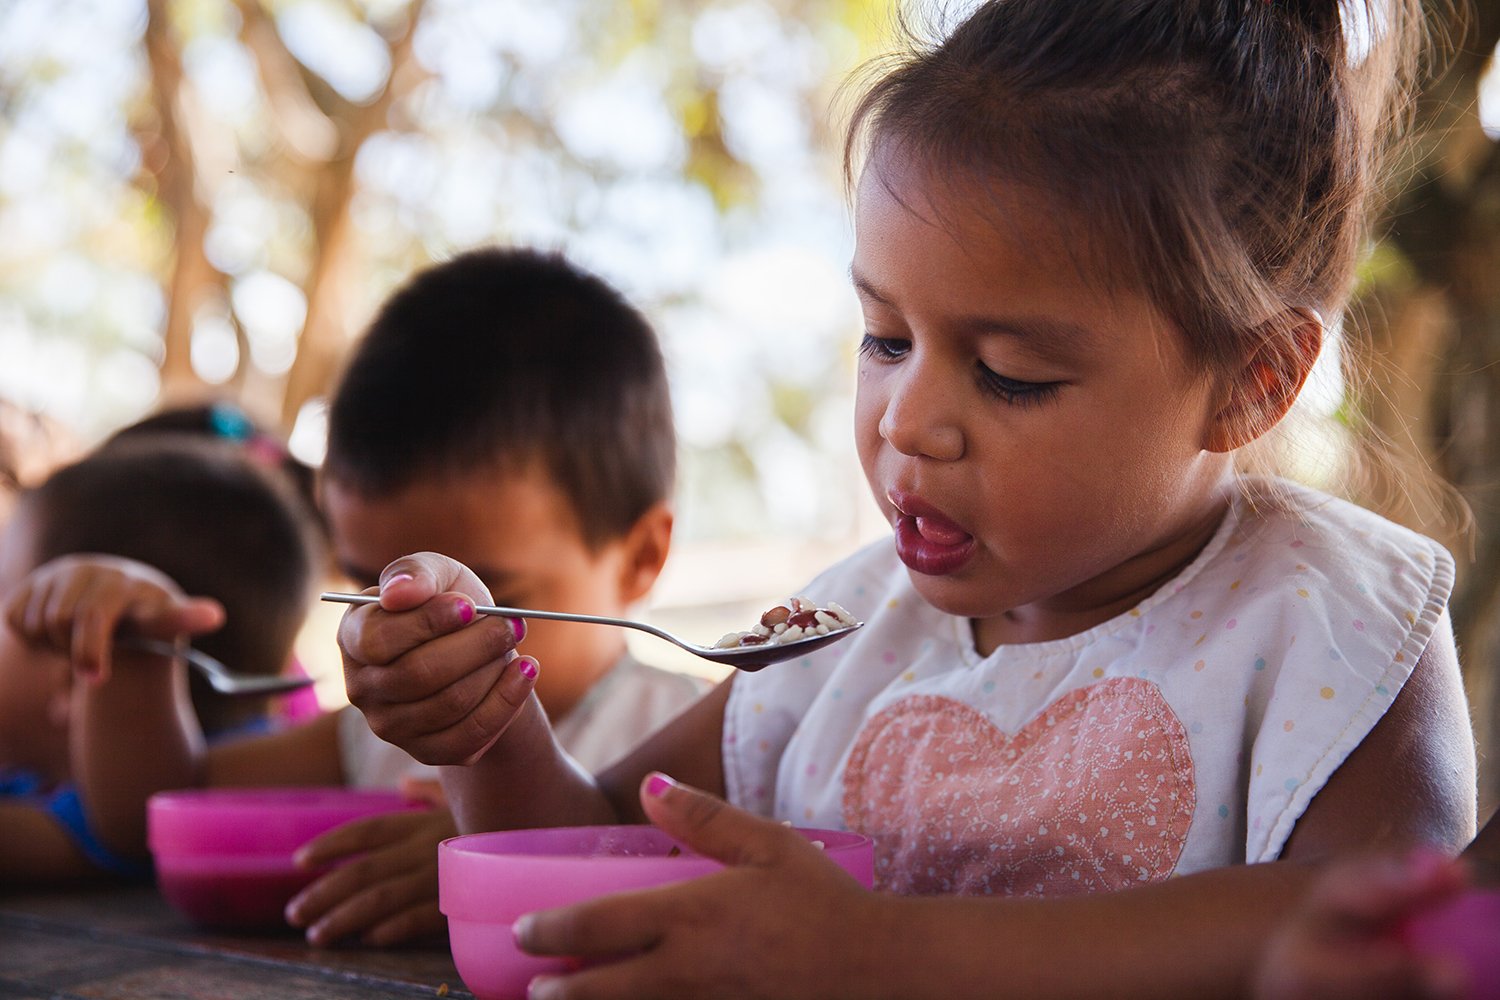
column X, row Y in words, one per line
column 921, row 419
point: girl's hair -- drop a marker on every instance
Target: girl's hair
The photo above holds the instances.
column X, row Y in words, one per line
column 1220, row 154
column 218, row 523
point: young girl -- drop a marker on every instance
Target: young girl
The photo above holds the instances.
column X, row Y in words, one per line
column 1096, row 247
column 193, row 510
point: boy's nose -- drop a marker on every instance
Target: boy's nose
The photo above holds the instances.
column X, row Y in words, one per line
column 920, row 419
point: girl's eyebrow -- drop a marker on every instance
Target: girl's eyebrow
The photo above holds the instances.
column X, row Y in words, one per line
column 1042, row 333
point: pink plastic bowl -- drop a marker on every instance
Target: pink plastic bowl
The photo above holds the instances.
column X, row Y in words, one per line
column 487, row 880
column 1466, row 931
column 224, row 857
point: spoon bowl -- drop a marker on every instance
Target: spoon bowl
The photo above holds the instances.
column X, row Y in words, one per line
column 747, row 658
column 219, row 677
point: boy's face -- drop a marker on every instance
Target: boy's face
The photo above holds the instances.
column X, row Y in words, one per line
column 517, row 532
column 34, row 684
column 1038, row 444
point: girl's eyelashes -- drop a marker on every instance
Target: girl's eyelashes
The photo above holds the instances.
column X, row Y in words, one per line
column 1014, row 391
column 1008, row 390
column 882, row 348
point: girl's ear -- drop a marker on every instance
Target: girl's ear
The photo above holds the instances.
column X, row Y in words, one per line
column 1261, row 392
column 646, row 547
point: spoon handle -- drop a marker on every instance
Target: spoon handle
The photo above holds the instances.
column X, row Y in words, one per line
column 489, row 609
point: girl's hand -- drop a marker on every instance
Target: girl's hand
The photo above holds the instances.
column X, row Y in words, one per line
column 75, row 604
column 387, row 897
column 1343, row 941
column 782, row 921
column 431, row 675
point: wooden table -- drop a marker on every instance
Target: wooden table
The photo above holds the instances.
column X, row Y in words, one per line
column 128, row 944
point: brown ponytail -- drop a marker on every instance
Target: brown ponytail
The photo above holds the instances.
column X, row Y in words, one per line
column 1221, row 154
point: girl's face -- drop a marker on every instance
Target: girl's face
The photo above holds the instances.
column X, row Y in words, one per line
column 1037, row 442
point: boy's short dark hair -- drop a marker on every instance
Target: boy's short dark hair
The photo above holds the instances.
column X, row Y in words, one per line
column 501, row 357
column 212, row 520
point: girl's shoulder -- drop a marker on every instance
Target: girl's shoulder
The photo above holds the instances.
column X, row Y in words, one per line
column 1285, row 542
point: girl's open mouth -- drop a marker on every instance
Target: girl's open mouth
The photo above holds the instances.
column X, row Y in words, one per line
column 927, row 542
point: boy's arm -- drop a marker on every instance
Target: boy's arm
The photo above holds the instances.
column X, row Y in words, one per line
column 306, row 754
column 133, row 735
column 37, row 851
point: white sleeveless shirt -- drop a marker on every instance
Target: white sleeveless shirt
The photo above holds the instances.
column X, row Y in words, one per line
column 1188, row 733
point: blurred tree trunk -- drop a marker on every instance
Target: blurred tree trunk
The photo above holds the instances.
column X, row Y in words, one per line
column 327, row 169
column 1438, row 339
column 170, row 158
column 320, row 134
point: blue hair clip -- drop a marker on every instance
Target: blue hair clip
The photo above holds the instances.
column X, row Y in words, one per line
column 229, row 421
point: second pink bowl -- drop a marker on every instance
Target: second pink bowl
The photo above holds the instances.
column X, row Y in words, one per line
column 487, row 880
column 224, row 856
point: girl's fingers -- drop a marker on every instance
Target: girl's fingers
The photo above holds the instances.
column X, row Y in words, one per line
column 459, row 723
column 1355, row 898
column 372, row 905
column 352, row 881
column 372, row 636
column 613, row 925
column 422, row 922
column 627, row 978
column 711, row 826
column 471, row 737
column 97, row 616
column 413, row 580
column 359, row 835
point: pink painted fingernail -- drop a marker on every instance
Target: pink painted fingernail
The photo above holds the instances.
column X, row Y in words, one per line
column 544, row 988
column 465, row 612
column 518, row 628
column 658, row 785
column 528, row 668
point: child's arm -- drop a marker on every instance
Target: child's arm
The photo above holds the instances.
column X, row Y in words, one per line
column 37, row 851
column 1343, row 943
column 1411, row 781
column 75, row 605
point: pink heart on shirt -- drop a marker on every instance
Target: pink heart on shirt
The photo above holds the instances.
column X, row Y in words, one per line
column 1095, row 793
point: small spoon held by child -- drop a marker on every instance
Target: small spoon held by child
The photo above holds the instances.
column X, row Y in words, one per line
column 771, row 641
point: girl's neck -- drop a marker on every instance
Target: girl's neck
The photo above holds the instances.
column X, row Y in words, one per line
column 1108, row 595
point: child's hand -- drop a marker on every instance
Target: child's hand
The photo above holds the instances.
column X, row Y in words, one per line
column 1343, row 940
column 724, row 934
column 387, row 897
column 75, row 604
column 428, row 676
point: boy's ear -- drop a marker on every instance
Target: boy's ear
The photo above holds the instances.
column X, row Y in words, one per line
column 1261, row 392
column 646, row 547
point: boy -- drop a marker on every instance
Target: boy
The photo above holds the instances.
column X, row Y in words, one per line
column 512, row 410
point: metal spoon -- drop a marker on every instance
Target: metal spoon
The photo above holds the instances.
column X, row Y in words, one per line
column 219, row 677
column 748, row 658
